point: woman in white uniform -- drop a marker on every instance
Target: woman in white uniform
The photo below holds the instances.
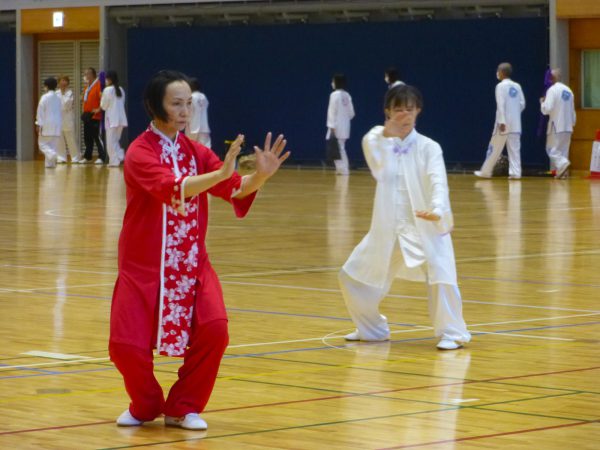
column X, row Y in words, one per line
column 67, row 143
column 48, row 120
column 339, row 114
column 410, row 229
column 197, row 128
column 115, row 119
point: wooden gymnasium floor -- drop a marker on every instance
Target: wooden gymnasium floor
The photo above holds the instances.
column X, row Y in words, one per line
column 528, row 257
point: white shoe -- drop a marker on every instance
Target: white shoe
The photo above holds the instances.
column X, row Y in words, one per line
column 479, row 174
column 61, row 160
column 513, row 177
column 191, row 421
column 448, row 344
column 75, row 159
column 562, row 172
column 98, row 162
column 85, row 161
column 127, row 420
column 354, row 336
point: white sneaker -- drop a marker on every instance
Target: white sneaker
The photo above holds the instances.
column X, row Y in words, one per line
column 448, row 344
column 85, row 161
column 513, row 177
column 75, row 159
column 61, row 160
column 479, row 174
column 127, row 420
column 352, row 336
column 98, row 162
column 562, row 172
column 191, row 421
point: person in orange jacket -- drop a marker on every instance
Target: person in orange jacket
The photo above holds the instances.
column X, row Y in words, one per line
column 91, row 118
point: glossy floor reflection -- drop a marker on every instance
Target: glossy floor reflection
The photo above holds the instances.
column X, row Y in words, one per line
column 527, row 251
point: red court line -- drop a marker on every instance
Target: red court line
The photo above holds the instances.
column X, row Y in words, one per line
column 485, row 436
column 317, row 399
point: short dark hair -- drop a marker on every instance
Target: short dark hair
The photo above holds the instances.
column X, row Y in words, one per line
column 506, row 69
column 91, row 69
column 194, row 84
column 403, row 95
column 154, row 93
column 51, row 83
column 339, row 81
column 393, row 74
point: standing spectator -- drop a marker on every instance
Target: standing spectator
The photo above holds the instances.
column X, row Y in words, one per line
column 339, row 114
column 392, row 77
column 91, row 118
column 198, row 129
column 115, row 119
column 559, row 105
column 510, row 103
column 67, row 143
column 48, row 121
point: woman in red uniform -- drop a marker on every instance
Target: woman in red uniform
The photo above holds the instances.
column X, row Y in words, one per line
column 167, row 295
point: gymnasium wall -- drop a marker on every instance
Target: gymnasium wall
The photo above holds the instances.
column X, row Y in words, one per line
column 8, row 132
column 278, row 77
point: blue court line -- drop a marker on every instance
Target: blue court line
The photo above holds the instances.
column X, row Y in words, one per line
column 306, row 349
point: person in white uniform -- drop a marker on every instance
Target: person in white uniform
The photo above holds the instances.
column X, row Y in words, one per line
column 115, row 118
column 339, row 114
column 410, row 229
column 510, row 103
column 392, row 77
column 559, row 105
column 49, row 122
column 67, row 145
column 198, row 129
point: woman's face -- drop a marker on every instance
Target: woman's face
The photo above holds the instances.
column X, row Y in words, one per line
column 109, row 82
column 177, row 103
column 404, row 116
column 63, row 84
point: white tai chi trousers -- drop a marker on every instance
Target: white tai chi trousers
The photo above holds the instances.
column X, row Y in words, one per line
column 48, row 146
column 513, row 148
column 67, row 143
column 362, row 301
column 116, row 154
column 557, row 148
column 342, row 166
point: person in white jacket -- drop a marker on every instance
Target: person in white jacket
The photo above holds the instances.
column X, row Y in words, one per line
column 115, row 119
column 410, row 228
column 339, row 114
column 510, row 103
column 198, row 129
column 392, row 77
column 67, row 145
column 49, row 122
column 559, row 105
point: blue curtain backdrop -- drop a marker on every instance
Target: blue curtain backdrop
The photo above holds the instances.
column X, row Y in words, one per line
column 8, row 89
column 261, row 78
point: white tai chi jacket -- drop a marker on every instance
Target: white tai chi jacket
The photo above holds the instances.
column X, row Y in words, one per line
column 66, row 100
column 510, row 102
column 199, row 120
column 49, row 116
column 427, row 186
column 114, row 106
column 559, row 105
column 339, row 114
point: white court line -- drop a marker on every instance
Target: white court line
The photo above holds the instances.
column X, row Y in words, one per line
column 59, row 269
column 532, row 320
column 54, row 355
column 49, row 288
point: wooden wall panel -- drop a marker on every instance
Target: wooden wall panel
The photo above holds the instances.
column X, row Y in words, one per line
column 76, row 20
column 568, row 9
column 584, row 33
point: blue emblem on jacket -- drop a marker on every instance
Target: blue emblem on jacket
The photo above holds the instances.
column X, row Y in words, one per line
column 566, row 95
column 513, row 91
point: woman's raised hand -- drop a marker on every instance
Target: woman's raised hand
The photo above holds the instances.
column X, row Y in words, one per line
column 270, row 158
column 228, row 166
